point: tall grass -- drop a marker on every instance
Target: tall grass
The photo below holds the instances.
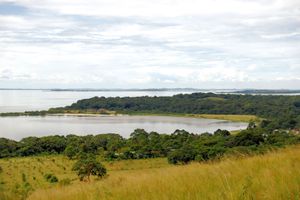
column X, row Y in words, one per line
column 22, row 176
column 275, row 175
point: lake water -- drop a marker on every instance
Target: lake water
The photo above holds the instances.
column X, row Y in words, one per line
column 20, row 127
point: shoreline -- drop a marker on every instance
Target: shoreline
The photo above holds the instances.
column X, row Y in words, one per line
column 226, row 117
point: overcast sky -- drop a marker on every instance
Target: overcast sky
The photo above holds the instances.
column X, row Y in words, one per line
column 150, row 43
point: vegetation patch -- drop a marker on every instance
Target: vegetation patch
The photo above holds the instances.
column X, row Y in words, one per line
column 51, row 178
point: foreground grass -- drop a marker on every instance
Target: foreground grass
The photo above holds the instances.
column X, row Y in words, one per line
column 275, row 175
column 22, row 176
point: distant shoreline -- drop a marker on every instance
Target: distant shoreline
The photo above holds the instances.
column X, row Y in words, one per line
column 193, row 90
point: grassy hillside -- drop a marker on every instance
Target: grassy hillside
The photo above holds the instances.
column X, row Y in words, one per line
column 275, row 175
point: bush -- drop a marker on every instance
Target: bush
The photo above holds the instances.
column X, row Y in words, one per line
column 51, row 178
column 248, row 138
column 207, row 153
column 223, row 133
column 181, row 156
column 110, row 155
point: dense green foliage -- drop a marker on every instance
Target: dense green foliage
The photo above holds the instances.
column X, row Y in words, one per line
column 179, row 147
column 71, row 145
column 285, row 110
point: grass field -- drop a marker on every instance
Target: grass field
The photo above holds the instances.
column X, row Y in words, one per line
column 275, row 175
column 17, row 172
column 235, row 118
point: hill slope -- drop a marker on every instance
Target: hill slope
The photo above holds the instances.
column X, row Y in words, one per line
column 274, row 175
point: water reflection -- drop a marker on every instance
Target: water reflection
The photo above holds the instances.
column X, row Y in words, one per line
column 20, row 127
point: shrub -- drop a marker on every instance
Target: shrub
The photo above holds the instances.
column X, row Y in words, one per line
column 223, row 133
column 181, row 156
column 207, row 153
column 110, row 155
column 51, row 178
column 23, row 177
column 248, row 138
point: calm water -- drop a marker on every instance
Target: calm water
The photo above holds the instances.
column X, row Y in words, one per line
column 20, row 127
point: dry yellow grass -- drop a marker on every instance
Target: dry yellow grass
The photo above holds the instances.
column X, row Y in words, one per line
column 33, row 170
column 272, row 176
column 236, row 118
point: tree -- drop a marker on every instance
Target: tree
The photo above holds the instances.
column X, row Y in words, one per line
column 87, row 165
column 223, row 133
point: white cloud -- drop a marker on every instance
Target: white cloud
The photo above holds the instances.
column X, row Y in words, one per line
column 159, row 8
column 110, row 43
column 279, row 36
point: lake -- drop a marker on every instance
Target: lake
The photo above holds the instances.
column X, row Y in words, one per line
column 20, row 127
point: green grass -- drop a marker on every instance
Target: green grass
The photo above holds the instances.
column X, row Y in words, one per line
column 272, row 176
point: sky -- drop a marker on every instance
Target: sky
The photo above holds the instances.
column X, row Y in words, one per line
column 150, row 44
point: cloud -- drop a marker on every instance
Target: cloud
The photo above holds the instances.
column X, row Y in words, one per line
column 158, row 8
column 221, row 43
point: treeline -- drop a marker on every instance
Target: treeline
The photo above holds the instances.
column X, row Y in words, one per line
column 285, row 110
column 179, row 147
